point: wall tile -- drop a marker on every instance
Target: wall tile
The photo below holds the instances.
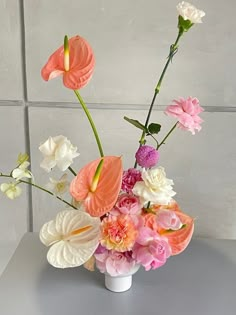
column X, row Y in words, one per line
column 14, row 213
column 202, row 166
column 10, row 53
column 131, row 42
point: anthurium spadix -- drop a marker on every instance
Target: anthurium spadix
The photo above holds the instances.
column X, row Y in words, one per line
column 98, row 184
column 73, row 237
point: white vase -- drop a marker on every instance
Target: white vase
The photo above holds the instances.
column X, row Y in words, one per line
column 120, row 283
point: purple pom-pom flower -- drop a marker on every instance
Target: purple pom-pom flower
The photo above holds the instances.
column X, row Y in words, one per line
column 147, row 156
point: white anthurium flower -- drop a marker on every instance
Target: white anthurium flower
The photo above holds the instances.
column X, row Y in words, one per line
column 11, row 190
column 21, row 171
column 58, row 151
column 189, row 12
column 59, row 187
column 73, row 237
column 155, row 187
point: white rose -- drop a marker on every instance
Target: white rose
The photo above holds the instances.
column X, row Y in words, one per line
column 58, row 151
column 189, row 12
column 155, row 187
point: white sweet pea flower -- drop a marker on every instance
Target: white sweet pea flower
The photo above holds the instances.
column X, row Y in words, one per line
column 59, row 187
column 155, row 187
column 11, row 190
column 58, row 151
column 21, row 171
column 73, row 237
column 189, row 12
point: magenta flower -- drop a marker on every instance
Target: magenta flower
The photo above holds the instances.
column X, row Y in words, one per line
column 130, row 177
column 151, row 249
column 147, row 156
column 114, row 263
column 186, row 111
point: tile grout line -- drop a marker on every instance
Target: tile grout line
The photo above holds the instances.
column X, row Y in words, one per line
column 115, row 106
column 26, row 114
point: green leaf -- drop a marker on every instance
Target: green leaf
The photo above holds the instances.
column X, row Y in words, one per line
column 136, row 123
column 154, row 128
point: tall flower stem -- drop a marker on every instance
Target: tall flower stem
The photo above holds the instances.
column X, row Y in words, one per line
column 41, row 188
column 90, row 121
column 173, row 51
column 171, row 130
column 72, row 171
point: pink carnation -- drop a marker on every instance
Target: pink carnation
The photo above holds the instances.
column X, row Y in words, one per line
column 114, row 263
column 186, row 111
column 130, row 177
column 147, row 156
column 151, row 250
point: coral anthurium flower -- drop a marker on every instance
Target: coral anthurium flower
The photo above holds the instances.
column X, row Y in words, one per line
column 180, row 239
column 73, row 237
column 100, row 198
column 74, row 61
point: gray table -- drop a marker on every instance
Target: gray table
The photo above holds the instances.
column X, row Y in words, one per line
column 200, row 281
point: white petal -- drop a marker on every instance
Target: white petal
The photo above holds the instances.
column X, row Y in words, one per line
column 24, row 165
column 66, row 254
column 75, row 235
column 71, row 220
column 48, row 163
column 48, row 233
column 4, row 187
column 48, row 147
column 13, row 192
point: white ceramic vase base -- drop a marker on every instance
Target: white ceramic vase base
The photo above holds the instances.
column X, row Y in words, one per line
column 118, row 284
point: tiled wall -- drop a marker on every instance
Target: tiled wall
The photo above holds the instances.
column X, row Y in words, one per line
column 131, row 41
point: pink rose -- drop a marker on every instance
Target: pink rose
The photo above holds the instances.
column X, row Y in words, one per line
column 114, row 263
column 127, row 204
column 130, row 177
column 151, row 250
column 186, row 111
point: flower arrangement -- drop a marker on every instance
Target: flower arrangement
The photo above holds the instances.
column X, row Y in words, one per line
column 117, row 218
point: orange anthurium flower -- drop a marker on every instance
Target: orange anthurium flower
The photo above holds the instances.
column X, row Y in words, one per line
column 180, row 239
column 75, row 61
column 100, row 198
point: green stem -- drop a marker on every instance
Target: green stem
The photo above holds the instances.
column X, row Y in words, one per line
column 173, row 51
column 171, row 130
column 154, row 139
column 90, row 121
column 72, row 171
column 41, row 188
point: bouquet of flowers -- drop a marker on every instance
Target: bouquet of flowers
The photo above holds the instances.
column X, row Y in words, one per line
column 117, row 219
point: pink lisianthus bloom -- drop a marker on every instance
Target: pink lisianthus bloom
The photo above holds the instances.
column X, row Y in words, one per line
column 114, row 263
column 168, row 220
column 130, row 177
column 186, row 111
column 151, row 250
column 147, row 156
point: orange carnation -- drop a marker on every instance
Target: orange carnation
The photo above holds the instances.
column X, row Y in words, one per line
column 118, row 233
